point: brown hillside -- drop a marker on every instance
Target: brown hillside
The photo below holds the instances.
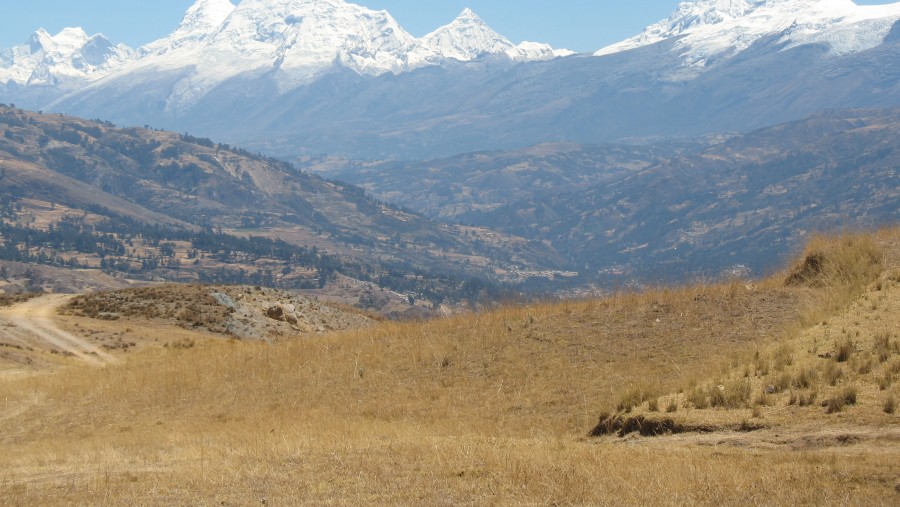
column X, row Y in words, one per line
column 481, row 409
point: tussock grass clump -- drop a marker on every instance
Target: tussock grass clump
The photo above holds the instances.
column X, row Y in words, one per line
column 783, row 357
column 831, row 373
column 730, row 394
column 843, row 349
column 734, row 394
column 805, row 378
column 636, row 396
column 833, row 405
column 884, row 346
column 763, row 399
column 890, row 405
column 697, row 398
column 803, row 398
column 847, row 396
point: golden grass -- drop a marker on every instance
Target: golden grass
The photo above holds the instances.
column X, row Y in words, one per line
column 848, row 358
column 477, row 409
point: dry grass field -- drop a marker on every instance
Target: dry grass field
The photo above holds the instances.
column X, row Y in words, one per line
column 495, row 408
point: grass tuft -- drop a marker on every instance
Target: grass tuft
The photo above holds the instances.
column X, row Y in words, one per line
column 890, row 405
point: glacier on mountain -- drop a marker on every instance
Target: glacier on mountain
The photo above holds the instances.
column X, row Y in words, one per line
column 706, row 30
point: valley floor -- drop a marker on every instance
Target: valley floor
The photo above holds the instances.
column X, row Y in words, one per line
column 493, row 408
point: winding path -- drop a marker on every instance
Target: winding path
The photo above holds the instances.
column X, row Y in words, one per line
column 31, row 323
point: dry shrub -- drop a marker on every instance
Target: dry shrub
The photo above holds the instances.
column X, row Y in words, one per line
column 11, row 299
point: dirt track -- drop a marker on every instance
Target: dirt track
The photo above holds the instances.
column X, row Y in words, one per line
column 31, row 324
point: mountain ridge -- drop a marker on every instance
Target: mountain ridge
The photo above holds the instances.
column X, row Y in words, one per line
column 708, row 31
column 134, row 182
column 671, row 210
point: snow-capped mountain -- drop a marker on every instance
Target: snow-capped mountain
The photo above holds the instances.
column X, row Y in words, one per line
column 300, row 39
column 291, row 77
column 71, row 56
column 469, row 37
column 293, row 41
column 199, row 23
column 712, row 30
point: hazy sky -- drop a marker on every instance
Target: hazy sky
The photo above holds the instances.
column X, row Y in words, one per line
column 580, row 25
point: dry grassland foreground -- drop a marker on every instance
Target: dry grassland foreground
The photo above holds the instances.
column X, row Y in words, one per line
column 496, row 408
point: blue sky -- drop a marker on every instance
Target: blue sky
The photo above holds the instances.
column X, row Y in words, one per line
column 580, row 25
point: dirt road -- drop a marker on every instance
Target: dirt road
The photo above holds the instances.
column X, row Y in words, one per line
column 31, row 324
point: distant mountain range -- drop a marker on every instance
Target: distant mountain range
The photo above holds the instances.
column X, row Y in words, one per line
column 669, row 211
column 711, row 142
column 293, row 41
column 301, row 77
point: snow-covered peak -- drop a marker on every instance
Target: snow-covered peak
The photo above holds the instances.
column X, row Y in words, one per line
column 200, row 21
column 69, row 56
column 293, row 42
column 300, row 40
column 206, row 15
column 465, row 38
column 713, row 28
column 468, row 37
column 529, row 51
column 299, row 33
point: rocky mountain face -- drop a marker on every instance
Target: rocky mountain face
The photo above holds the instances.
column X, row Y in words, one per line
column 671, row 211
